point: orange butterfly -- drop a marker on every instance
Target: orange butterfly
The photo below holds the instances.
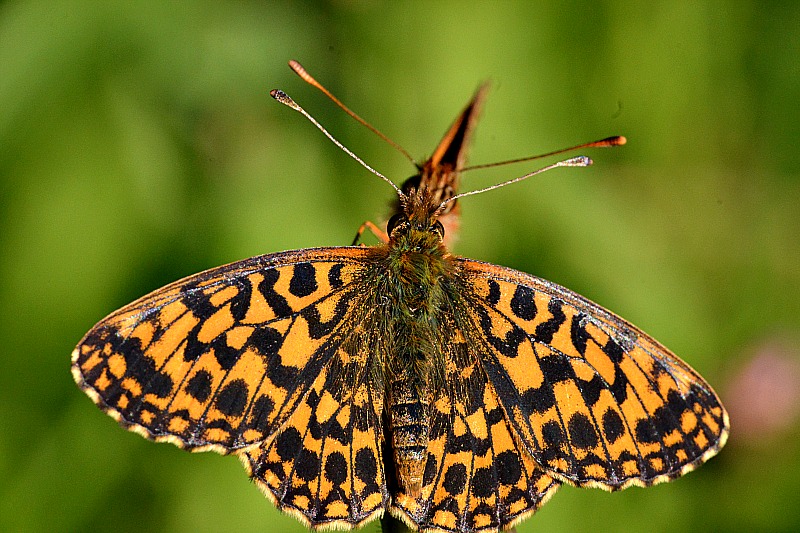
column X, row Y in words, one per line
column 455, row 394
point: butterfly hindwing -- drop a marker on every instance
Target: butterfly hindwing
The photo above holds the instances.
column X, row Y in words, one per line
column 221, row 359
column 595, row 401
column 477, row 475
column 325, row 464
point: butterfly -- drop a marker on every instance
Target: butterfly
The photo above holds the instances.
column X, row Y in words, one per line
column 355, row 380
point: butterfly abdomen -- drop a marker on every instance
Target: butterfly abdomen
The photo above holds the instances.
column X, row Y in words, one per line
column 408, row 386
column 409, row 419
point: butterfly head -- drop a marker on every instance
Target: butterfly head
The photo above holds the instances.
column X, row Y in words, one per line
column 435, row 181
column 417, row 223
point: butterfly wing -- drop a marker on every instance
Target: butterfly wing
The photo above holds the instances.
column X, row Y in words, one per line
column 324, row 466
column 477, row 475
column 594, row 400
column 220, row 360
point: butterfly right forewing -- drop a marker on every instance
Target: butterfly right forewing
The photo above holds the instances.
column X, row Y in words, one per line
column 594, row 400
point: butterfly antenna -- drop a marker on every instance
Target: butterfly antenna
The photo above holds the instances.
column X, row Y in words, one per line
column 286, row 100
column 308, row 78
column 580, row 161
column 617, row 140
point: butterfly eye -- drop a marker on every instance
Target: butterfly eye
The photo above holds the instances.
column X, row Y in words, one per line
column 395, row 221
column 438, row 228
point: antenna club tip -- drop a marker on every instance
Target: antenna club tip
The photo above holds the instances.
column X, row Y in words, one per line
column 283, row 98
column 580, row 161
column 616, row 140
column 297, row 67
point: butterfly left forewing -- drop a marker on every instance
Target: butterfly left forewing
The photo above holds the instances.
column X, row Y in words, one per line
column 594, row 400
column 220, row 359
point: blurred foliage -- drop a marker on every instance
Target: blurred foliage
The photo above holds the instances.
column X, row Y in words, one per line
column 138, row 144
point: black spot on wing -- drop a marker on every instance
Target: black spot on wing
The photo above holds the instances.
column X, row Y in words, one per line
column 614, row 351
column 455, row 479
column 232, row 399
column 430, row 470
column 241, row 302
column 199, row 386
column 318, row 328
column 193, row 348
column 591, row 390
column 494, row 292
column 483, row 482
column 288, row 443
column 556, row 368
column 646, row 431
column 259, row 418
column 538, row 400
column 367, row 468
column 578, row 334
column 337, row 432
column 307, row 465
column 304, row 281
column 280, row 374
column 522, row 303
column 336, row 468
column 582, row 433
column 507, row 345
column 335, row 276
column 226, row 356
column 555, row 445
column 552, row 435
column 266, row 340
column 619, row 387
column 494, row 416
column 613, row 427
column 197, row 301
column 509, row 468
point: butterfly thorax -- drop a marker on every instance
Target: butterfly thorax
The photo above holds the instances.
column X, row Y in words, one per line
column 419, row 269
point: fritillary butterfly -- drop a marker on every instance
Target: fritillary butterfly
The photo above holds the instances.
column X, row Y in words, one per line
column 354, row 380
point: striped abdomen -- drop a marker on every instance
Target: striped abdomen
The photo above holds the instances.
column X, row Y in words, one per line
column 409, row 427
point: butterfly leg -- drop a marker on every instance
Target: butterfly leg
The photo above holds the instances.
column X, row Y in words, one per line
column 379, row 233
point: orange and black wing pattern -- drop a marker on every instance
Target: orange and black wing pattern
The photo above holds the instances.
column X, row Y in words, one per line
column 478, row 476
column 594, row 400
column 325, row 466
column 264, row 358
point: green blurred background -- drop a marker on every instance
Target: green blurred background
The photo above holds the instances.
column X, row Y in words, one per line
column 138, row 145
